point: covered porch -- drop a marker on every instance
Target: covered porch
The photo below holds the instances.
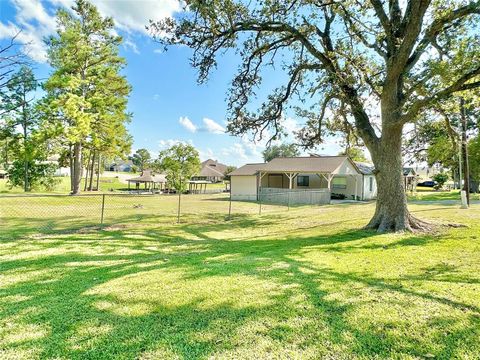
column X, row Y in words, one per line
column 338, row 176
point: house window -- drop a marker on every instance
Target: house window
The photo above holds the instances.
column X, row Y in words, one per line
column 371, row 184
column 339, row 182
column 303, row 180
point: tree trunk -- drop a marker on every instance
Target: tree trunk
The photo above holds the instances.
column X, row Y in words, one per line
column 86, row 172
column 77, row 168
column 466, row 170
column 70, row 156
column 92, row 169
column 25, row 156
column 98, row 171
column 391, row 213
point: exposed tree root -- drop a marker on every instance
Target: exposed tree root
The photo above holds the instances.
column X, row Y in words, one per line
column 409, row 223
column 382, row 222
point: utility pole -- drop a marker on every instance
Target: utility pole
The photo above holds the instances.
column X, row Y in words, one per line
column 466, row 170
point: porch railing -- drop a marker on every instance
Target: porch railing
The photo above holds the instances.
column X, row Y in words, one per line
column 294, row 196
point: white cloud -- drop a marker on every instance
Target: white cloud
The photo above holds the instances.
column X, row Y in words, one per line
column 212, row 126
column 156, row 97
column 129, row 44
column 36, row 20
column 291, row 126
column 165, row 144
column 187, row 124
column 237, row 150
column 134, row 15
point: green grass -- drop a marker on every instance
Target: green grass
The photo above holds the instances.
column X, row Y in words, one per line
column 304, row 284
column 105, row 184
column 432, row 195
column 63, row 186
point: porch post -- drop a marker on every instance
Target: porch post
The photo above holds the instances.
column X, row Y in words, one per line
column 329, row 180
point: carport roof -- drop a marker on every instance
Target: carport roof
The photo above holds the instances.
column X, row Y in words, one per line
column 248, row 169
column 307, row 164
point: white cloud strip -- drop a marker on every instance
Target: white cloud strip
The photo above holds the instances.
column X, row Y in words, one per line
column 187, row 124
column 213, row 127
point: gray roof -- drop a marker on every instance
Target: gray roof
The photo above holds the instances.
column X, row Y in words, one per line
column 365, row 168
column 312, row 164
column 212, row 168
column 307, row 164
column 248, row 169
column 408, row 171
column 210, row 171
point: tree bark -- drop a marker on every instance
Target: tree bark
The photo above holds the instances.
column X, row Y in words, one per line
column 87, row 170
column 98, row 170
column 92, row 169
column 77, row 168
column 391, row 213
column 466, row 170
column 70, row 156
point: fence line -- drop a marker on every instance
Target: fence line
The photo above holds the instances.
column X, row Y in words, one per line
column 35, row 213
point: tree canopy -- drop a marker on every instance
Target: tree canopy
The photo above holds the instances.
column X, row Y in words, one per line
column 86, row 93
column 141, row 159
column 179, row 162
column 282, row 150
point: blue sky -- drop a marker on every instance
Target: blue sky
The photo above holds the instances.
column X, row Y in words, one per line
column 166, row 102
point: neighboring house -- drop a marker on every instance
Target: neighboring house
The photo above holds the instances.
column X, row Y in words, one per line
column 410, row 179
column 3, row 174
column 120, row 166
column 335, row 176
column 425, row 173
column 369, row 190
column 211, row 170
column 60, row 170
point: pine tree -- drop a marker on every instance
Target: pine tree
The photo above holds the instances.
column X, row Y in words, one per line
column 86, row 90
column 18, row 103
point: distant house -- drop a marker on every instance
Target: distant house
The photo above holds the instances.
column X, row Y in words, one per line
column 369, row 190
column 120, row 166
column 211, row 170
column 60, row 170
column 314, row 179
column 410, row 179
column 3, row 174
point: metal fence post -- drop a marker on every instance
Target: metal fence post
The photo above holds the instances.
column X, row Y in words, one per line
column 103, row 208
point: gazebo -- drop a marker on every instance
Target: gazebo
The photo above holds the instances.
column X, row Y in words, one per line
column 198, row 186
column 149, row 181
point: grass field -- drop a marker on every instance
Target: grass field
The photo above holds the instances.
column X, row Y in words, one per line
column 63, row 186
column 107, row 183
column 304, row 284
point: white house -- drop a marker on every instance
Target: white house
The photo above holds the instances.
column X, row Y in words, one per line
column 336, row 176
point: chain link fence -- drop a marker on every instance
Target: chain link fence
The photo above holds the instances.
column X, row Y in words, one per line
column 35, row 214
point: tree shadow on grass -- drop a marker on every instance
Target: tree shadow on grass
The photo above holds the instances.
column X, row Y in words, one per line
column 197, row 296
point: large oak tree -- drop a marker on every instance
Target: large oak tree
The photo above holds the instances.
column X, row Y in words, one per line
column 343, row 56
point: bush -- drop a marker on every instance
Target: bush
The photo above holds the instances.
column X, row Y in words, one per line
column 40, row 175
column 440, row 179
